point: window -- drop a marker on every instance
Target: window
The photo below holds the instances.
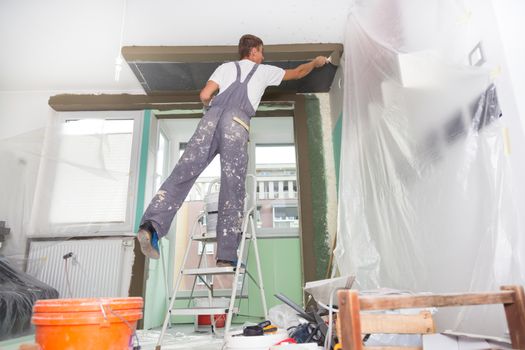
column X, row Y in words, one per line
column 285, row 216
column 276, row 190
column 161, row 161
column 207, row 278
column 209, row 177
column 209, row 250
column 87, row 184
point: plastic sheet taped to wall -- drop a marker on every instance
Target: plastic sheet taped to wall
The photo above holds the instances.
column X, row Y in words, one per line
column 75, row 180
column 426, row 194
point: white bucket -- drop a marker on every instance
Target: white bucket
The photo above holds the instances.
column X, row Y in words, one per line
column 258, row 342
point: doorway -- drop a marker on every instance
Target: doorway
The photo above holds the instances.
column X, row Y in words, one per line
column 273, row 156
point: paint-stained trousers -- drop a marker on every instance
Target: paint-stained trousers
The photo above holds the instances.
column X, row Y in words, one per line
column 217, row 133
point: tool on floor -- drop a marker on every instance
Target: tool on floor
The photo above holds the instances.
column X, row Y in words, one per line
column 314, row 330
column 201, row 272
column 262, row 328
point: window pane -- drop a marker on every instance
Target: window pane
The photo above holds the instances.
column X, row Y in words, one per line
column 92, row 176
column 210, row 174
column 161, row 150
column 276, row 186
column 268, row 154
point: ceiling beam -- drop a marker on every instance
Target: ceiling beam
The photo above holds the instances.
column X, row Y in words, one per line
column 127, row 102
column 259, row 114
column 192, row 54
column 117, row 102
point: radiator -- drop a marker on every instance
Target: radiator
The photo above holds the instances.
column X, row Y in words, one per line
column 98, row 267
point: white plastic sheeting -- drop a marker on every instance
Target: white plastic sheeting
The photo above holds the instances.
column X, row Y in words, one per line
column 74, row 179
column 427, row 196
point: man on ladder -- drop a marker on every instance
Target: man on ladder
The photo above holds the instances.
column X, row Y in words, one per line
column 224, row 130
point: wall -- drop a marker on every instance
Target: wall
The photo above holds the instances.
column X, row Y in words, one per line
column 23, row 118
column 509, row 15
column 22, row 112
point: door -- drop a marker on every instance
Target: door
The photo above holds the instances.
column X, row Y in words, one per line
column 272, row 159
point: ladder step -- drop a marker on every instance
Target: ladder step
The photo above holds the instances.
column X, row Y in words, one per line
column 210, row 237
column 211, row 271
column 205, row 310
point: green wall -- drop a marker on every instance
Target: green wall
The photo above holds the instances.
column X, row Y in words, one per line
column 336, row 139
column 319, row 186
column 156, row 303
column 143, row 168
column 281, row 270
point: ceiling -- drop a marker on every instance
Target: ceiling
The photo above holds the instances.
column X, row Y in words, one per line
column 71, row 45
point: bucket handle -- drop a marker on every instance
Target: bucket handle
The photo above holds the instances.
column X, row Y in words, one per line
column 105, row 322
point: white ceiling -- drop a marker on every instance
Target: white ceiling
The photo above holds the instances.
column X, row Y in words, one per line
column 71, row 45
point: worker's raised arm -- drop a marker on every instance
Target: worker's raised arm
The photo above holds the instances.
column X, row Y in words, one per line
column 208, row 91
column 304, row 69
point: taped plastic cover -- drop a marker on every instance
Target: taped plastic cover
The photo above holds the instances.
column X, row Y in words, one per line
column 18, row 292
column 427, row 197
column 74, row 179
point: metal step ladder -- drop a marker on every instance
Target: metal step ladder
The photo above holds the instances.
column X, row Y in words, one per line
column 248, row 234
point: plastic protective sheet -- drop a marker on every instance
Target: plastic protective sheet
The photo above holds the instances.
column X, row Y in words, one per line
column 426, row 190
column 73, row 179
column 18, row 292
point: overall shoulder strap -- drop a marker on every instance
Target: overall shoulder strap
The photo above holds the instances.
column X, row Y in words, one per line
column 249, row 76
column 238, row 71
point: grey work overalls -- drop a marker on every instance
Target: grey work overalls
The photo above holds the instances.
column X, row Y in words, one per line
column 220, row 131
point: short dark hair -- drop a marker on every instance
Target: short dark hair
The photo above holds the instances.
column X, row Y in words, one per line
column 246, row 43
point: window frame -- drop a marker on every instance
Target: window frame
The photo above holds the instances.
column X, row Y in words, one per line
column 40, row 217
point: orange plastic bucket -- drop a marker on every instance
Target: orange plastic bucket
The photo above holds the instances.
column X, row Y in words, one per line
column 86, row 324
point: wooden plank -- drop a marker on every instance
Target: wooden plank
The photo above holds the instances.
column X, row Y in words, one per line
column 421, row 323
column 350, row 323
column 166, row 102
column 115, row 102
column 515, row 312
column 435, row 300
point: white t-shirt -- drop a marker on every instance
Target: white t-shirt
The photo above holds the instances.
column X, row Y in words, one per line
column 264, row 76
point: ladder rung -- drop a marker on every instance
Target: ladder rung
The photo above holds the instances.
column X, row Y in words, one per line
column 211, row 271
column 211, row 237
column 204, row 310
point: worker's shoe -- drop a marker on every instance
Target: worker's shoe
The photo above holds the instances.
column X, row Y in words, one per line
column 149, row 241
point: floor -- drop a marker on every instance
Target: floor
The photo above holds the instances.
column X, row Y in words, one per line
column 177, row 337
column 182, row 337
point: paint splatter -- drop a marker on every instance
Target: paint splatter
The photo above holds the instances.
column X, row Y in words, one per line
column 161, row 196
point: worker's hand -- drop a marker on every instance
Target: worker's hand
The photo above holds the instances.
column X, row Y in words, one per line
column 320, row 61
